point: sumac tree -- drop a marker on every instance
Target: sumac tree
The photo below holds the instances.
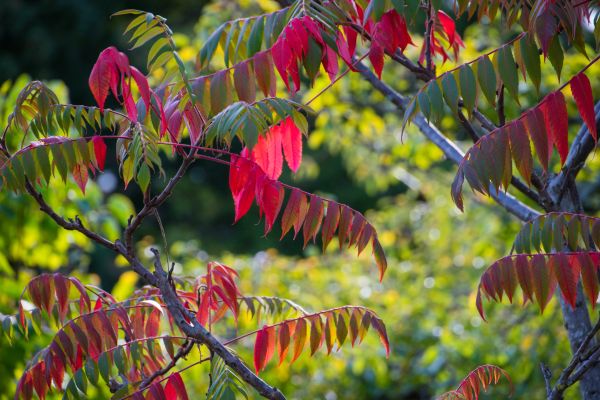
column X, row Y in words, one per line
column 201, row 113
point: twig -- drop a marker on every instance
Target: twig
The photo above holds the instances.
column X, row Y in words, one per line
column 182, row 352
column 547, row 374
column 428, row 33
column 500, row 107
column 154, row 203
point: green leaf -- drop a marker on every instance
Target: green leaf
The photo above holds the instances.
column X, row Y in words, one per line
column 450, row 91
column 149, row 35
column 208, row 50
column 255, row 39
column 556, row 56
column 487, row 79
column 436, row 100
column 143, row 177
column 508, row 71
column 424, row 104
column 531, row 57
column 467, row 87
column 128, row 11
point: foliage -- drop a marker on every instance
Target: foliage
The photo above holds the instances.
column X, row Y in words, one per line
column 207, row 117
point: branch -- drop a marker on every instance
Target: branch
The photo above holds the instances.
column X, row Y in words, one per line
column 154, row 203
column 449, row 148
column 182, row 352
column 428, row 33
column 194, row 330
column 581, row 357
column 70, row 225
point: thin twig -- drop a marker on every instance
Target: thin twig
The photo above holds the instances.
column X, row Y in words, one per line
column 182, row 352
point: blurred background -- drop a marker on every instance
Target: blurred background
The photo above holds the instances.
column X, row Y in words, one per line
column 354, row 154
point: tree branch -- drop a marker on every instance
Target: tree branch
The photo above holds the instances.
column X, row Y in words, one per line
column 69, row 225
column 155, row 202
column 449, row 148
column 182, row 352
column 181, row 316
column 579, row 357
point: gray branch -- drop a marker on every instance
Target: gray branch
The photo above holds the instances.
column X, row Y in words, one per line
column 448, row 147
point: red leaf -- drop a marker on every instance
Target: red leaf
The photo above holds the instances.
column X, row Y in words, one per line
column 364, row 238
column 567, row 276
column 270, row 202
column 283, row 58
column 344, row 225
column 330, row 62
column 101, row 77
column 557, row 122
column 521, row 152
column 534, row 119
column 379, row 326
column 589, row 276
column 142, row 84
column 128, row 101
column 379, row 255
column 267, row 152
column 294, row 212
column 314, row 216
column 582, row 92
column 344, row 50
column 376, row 58
column 283, row 342
column 156, row 392
column 351, row 36
column 264, row 347
column 203, row 310
column 99, row 151
column 80, row 174
column 291, row 139
column 61, row 285
column 242, row 180
column 244, row 82
column 524, row 277
column 38, row 372
column 331, row 223
column 265, row 73
column 544, row 282
column 175, row 388
column 448, row 25
column 545, row 29
column 358, row 224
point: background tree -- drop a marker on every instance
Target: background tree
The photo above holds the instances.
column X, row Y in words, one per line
column 431, row 97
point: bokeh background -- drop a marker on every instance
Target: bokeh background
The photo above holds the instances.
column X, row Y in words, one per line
column 354, row 154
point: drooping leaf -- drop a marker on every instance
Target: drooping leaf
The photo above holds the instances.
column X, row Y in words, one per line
column 582, row 92
column 557, row 122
